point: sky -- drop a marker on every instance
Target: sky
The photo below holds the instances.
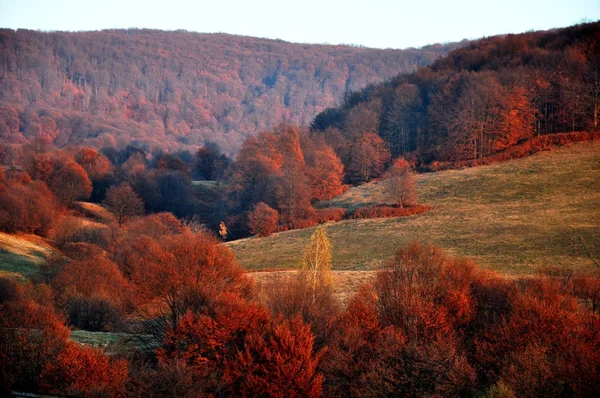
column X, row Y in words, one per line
column 371, row 23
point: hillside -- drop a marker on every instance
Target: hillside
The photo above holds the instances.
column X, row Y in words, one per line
column 21, row 254
column 176, row 89
column 478, row 101
column 513, row 217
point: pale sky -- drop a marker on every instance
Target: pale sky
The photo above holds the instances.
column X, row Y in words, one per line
column 372, row 23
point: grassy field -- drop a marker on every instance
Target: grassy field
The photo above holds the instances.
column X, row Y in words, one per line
column 345, row 283
column 21, row 254
column 512, row 217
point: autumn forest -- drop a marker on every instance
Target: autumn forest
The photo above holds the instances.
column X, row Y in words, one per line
column 134, row 162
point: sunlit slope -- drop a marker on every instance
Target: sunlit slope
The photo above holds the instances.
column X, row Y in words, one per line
column 20, row 255
column 513, row 217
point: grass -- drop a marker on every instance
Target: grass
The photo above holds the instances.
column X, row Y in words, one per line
column 110, row 342
column 345, row 283
column 20, row 255
column 512, row 217
column 94, row 211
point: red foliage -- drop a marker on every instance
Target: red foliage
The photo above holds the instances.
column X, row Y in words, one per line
column 325, row 174
column 262, row 220
column 329, row 214
column 29, row 208
column 83, row 371
column 278, row 362
column 93, row 293
column 70, row 182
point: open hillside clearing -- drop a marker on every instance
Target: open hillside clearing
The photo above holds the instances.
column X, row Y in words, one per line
column 20, row 255
column 513, row 217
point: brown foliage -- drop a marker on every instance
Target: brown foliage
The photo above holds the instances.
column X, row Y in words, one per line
column 31, row 336
column 296, row 297
column 368, row 156
column 527, row 148
column 93, row 293
column 400, row 183
column 70, row 229
column 123, row 202
column 70, row 182
column 30, row 208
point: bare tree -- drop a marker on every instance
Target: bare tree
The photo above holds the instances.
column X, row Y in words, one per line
column 123, row 202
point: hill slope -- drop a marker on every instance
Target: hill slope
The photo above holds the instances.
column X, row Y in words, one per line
column 538, row 211
column 20, row 255
column 173, row 89
column 481, row 99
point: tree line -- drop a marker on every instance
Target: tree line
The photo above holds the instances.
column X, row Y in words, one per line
column 429, row 324
column 480, row 100
column 175, row 90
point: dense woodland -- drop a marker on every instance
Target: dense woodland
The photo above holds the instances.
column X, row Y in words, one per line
column 176, row 90
column 479, row 100
column 152, row 263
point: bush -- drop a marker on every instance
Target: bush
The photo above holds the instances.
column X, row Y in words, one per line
column 330, row 214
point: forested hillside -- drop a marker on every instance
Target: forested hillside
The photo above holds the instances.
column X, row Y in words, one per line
column 176, row 90
column 479, row 100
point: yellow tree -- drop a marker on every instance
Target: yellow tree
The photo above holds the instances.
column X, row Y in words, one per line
column 316, row 264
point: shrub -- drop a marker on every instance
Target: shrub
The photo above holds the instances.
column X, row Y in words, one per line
column 330, row 214
column 93, row 293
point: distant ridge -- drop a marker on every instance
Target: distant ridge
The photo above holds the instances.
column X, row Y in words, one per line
column 176, row 89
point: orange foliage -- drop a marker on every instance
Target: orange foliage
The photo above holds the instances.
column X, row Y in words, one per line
column 325, row 175
column 262, row 220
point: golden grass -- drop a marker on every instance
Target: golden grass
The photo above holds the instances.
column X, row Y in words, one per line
column 512, row 217
column 94, row 211
column 20, row 255
column 345, row 283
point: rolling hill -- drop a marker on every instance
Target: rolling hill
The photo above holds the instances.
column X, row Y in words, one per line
column 176, row 89
column 513, row 217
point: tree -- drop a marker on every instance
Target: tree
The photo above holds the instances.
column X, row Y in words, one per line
column 210, row 163
column 325, row 174
column 317, row 259
column 123, row 202
column 400, row 183
column 368, row 156
column 83, row 371
column 262, row 220
column 278, row 362
column 70, row 182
